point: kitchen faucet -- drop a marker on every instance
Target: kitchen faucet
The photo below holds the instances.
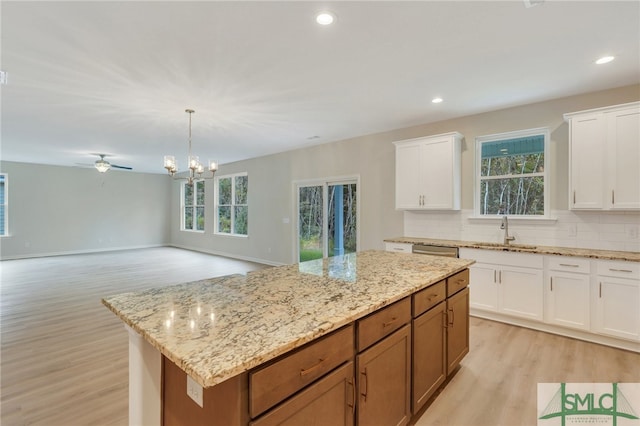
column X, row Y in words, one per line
column 505, row 226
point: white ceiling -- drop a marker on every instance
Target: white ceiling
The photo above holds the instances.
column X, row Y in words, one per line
column 115, row 77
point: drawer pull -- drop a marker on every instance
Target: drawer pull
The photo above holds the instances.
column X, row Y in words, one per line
column 431, row 296
column 387, row 324
column 306, row 371
column 569, row 264
column 398, row 248
column 461, row 281
column 620, row 270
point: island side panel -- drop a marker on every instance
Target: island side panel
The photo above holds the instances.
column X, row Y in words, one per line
column 145, row 378
column 225, row 404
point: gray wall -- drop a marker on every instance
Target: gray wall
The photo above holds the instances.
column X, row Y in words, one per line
column 58, row 210
column 271, row 195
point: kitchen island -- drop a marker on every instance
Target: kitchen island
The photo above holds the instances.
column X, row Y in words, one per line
column 234, row 335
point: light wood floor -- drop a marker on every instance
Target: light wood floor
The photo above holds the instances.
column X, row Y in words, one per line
column 64, row 357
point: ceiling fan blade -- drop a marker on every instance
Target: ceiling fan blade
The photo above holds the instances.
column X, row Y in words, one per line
column 115, row 166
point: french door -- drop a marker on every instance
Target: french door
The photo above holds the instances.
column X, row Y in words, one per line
column 327, row 218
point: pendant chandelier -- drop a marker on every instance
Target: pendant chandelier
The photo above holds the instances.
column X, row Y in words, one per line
column 196, row 169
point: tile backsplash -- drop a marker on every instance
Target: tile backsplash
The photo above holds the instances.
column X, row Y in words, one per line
column 593, row 230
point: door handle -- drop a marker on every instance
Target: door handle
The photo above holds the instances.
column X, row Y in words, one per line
column 363, row 384
column 305, row 371
column 353, row 396
column 452, row 316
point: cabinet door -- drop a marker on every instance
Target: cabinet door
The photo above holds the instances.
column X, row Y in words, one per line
column 429, row 354
column 618, row 307
column 587, row 154
column 440, row 188
column 520, row 292
column 384, row 381
column 408, row 177
column 568, row 300
column 457, row 328
column 330, row 401
column 623, row 138
column 484, row 288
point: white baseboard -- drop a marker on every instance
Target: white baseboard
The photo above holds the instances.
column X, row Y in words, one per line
column 229, row 255
column 74, row 252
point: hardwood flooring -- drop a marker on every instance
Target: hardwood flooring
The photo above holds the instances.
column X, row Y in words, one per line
column 64, row 356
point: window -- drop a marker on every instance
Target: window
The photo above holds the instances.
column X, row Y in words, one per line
column 511, row 174
column 3, row 204
column 193, row 206
column 232, row 210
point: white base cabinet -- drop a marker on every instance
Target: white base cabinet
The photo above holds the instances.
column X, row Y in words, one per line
column 507, row 283
column 568, row 292
column 617, row 300
column 588, row 299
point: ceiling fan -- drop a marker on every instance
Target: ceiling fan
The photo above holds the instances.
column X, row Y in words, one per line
column 103, row 165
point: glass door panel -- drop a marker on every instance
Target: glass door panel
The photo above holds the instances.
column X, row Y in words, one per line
column 311, row 222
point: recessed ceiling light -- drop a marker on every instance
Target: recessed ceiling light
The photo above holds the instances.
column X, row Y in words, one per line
column 436, row 100
column 325, row 18
column 605, row 60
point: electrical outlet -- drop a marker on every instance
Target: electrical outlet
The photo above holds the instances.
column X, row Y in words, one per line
column 632, row 232
column 572, row 230
column 194, row 390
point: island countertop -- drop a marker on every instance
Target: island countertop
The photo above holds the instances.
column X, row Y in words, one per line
column 217, row 328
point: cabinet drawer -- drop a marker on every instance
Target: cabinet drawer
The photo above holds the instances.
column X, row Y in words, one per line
column 398, row 247
column 457, row 282
column 271, row 384
column 569, row 264
column 429, row 297
column 619, row 269
column 383, row 322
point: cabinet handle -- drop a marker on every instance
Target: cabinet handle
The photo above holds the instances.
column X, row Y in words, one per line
column 613, row 197
column 574, row 197
column 551, row 283
column 306, row 371
column 452, row 317
column 431, row 296
column 445, row 320
column 569, row 264
column 620, row 270
column 398, row 249
column 387, row 324
column 600, row 290
column 353, row 396
column 494, row 276
column 363, row 384
column 500, row 277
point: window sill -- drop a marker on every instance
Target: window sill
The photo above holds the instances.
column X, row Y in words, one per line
column 520, row 219
column 223, row 234
column 193, row 231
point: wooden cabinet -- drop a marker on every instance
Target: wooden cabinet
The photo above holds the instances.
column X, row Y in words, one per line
column 277, row 380
column 604, row 158
column 567, row 291
column 428, row 172
column 506, row 283
column 457, row 329
column 617, row 299
column 384, row 381
column 330, row 401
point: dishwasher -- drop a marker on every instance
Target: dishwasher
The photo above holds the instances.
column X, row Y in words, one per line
column 435, row 250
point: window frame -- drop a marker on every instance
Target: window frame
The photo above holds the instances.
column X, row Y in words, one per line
column 232, row 206
column 194, row 206
column 546, row 174
column 5, row 205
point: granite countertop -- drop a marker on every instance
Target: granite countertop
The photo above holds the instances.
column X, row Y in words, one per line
column 630, row 256
column 217, row 328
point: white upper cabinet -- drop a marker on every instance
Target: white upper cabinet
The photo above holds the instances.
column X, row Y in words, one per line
column 604, row 158
column 428, row 172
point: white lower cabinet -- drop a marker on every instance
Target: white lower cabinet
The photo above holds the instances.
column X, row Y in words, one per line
column 567, row 292
column 616, row 291
column 507, row 283
column 595, row 300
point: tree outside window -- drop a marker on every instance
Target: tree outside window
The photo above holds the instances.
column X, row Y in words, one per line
column 193, row 206
column 232, row 209
column 512, row 174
